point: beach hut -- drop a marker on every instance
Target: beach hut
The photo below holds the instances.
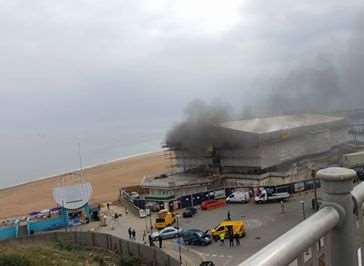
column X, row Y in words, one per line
column 74, row 201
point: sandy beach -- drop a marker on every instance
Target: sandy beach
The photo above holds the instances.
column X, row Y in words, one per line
column 106, row 180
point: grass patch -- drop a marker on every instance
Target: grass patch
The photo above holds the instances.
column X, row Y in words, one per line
column 49, row 254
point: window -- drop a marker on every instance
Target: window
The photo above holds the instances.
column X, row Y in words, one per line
column 221, row 228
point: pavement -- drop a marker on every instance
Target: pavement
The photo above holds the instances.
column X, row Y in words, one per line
column 265, row 222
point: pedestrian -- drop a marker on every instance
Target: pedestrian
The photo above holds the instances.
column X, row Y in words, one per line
column 108, row 206
column 150, row 240
column 282, row 207
column 129, row 231
column 160, row 241
column 237, row 240
column 228, row 215
column 133, row 233
column 222, row 239
column 126, row 211
column 231, row 239
column 144, row 236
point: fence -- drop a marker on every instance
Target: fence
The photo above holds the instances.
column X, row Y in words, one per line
column 150, row 256
column 330, row 237
column 128, row 201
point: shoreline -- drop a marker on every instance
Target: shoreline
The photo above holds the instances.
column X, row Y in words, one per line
column 68, row 172
column 106, row 180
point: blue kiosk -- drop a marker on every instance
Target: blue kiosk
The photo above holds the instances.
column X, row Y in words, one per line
column 73, row 209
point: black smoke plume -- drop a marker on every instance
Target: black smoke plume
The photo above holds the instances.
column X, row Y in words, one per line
column 198, row 131
column 327, row 84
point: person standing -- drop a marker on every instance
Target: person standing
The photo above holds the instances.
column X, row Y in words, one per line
column 231, row 239
column 160, row 241
column 144, row 236
column 129, row 231
column 282, row 207
column 228, row 215
column 133, row 233
column 237, row 240
column 222, row 239
column 150, row 240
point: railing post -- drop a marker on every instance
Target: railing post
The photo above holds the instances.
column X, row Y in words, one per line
column 337, row 184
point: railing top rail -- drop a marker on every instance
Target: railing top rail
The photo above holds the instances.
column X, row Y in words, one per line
column 290, row 245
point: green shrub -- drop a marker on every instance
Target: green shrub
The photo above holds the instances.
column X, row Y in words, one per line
column 13, row 260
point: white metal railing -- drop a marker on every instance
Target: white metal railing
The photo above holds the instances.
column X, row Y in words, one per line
column 293, row 245
column 333, row 236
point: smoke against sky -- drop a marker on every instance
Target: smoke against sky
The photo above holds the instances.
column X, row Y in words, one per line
column 77, row 64
column 81, row 61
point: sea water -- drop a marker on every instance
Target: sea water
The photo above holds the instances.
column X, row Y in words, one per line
column 36, row 152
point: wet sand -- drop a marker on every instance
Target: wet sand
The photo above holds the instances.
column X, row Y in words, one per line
column 106, row 180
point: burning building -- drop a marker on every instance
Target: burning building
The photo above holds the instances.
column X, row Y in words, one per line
column 263, row 144
column 273, row 151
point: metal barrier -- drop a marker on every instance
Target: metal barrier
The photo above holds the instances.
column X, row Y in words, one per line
column 330, row 237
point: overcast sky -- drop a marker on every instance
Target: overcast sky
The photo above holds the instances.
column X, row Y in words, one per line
column 69, row 61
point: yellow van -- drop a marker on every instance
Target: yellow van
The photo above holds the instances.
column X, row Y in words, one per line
column 237, row 226
column 164, row 219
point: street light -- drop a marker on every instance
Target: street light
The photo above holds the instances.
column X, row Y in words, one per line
column 179, row 241
column 303, row 209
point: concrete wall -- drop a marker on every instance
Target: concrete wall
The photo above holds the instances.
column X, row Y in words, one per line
column 150, row 256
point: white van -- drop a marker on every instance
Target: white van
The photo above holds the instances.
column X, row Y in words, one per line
column 238, row 197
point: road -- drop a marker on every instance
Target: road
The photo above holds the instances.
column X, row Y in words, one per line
column 265, row 223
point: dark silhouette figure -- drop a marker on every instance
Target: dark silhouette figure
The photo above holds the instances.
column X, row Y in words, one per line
column 237, row 240
column 129, row 231
column 133, row 233
column 228, row 215
column 151, row 244
column 231, row 239
column 160, row 241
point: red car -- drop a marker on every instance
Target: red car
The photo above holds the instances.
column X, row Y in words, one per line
column 211, row 204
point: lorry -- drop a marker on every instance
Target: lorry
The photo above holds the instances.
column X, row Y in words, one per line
column 262, row 195
column 165, row 218
column 237, row 227
column 238, row 197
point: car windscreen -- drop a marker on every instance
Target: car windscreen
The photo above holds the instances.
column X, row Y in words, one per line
column 160, row 220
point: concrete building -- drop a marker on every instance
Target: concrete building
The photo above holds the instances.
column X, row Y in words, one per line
column 171, row 187
column 262, row 144
column 277, row 152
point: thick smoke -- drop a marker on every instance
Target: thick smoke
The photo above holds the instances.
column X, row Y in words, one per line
column 308, row 89
column 326, row 84
column 329, row 83
column 198, row 131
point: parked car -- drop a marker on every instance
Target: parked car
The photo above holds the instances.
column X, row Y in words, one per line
column 207, row 263
column 196, row 237
column 164, row 219
column 189, row 212
column 211, row 204
column 168, row 232
column 236, row 226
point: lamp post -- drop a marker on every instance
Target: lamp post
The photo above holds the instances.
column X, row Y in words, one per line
column 179, row 241
column 303, row 209
column 313, row 175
